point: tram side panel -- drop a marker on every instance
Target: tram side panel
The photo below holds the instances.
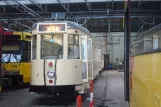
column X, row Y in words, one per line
column 94, row 60
column 102, row 60
column 145, row 80
column 98, row 60
column 90, row 59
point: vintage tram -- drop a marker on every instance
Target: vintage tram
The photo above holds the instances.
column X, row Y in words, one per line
column 64, row 58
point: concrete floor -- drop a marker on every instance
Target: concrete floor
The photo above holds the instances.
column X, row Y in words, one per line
column 108, row 92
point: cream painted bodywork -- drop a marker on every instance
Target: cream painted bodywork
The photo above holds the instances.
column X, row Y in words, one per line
column 37, row 74
column 68, row 72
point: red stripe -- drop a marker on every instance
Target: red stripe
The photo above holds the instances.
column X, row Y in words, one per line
column 1, row 29
column 8, row 33
column 91, row 91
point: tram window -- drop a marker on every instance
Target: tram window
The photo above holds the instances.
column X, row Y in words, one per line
column 90, row 50
column 11, row 58
column 155, row 43
column 34, row 46
column 148, row 44
column 73, row 47
column 84, row 49
column 158, row 42
column 52, row 45
column 26, row 52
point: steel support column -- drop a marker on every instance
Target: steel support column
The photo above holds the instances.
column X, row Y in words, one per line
column 126, row 50
column 0, row 57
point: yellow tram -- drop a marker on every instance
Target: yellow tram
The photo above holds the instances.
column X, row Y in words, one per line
column 145, row 69
column 16, row 58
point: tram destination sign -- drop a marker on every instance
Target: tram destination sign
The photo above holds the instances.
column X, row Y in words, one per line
column 52, row 27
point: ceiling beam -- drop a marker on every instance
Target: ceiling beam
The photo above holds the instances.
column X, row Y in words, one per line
column 22, row 25
column 14, row 6
column 27, row 2
column 38, row 5
column 16, row 22
column 28, row 9
column 88, row 5
column 80, row 17
column 65, row 8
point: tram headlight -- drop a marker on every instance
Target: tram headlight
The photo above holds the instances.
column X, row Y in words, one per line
column 50, row 74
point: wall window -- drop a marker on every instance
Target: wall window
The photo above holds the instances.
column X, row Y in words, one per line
column 73, row 47
column 52, row 45
column 34, row 46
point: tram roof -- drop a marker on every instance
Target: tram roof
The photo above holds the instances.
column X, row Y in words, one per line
column 72, row 25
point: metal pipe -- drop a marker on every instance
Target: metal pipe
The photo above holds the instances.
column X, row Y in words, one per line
column 145, row 22
column 7, row 29
column 94, row 17
column 86, row 20
column 23, row 25
column 105, row 11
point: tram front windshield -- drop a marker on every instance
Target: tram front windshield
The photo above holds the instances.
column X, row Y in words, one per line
column 52, row 45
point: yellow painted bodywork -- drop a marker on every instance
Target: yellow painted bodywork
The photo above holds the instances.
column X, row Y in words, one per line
column 23, row 68
column 23, row 35
column 146, row 81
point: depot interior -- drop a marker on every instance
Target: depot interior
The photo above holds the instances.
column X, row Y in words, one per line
column 107, row 20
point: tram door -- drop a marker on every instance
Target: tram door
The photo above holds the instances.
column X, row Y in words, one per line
column 84, row 57
column 106, row 62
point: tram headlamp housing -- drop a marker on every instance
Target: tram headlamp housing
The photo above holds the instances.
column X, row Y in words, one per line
column 50, row 74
